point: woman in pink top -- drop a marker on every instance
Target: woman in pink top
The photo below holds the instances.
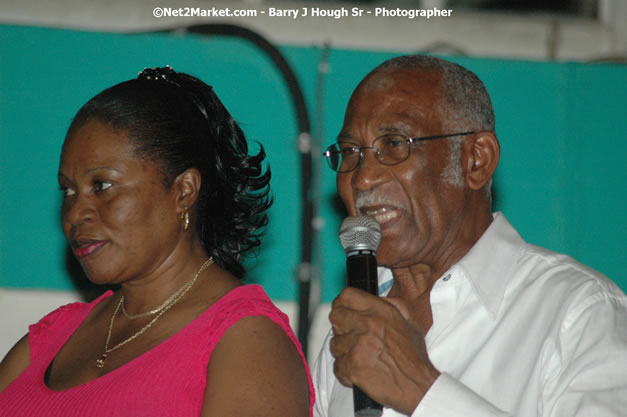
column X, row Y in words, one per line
column 161, row 199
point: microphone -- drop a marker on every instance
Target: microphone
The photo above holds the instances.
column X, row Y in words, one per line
column 360, row 237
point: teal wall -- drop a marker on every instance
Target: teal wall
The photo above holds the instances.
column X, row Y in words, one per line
column 561, row 180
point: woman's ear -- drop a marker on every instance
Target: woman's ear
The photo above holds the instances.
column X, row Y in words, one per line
column 481, row 156
column 187, row 187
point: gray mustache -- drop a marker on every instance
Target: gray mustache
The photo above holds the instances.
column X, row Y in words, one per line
column 369, row 199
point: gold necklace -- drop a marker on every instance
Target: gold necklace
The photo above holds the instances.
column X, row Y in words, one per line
column 180, row 293
column 161, row 307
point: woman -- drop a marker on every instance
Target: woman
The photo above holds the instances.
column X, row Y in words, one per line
column 162, row 199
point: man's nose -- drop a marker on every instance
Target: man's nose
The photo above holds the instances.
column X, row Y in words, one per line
column 370, row 172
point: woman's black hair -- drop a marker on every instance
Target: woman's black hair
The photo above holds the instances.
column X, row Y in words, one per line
column 177, row 121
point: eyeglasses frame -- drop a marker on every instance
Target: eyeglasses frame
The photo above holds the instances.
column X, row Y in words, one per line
column 409, row 141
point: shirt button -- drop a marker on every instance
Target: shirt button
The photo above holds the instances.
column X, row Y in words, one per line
column 446, row 278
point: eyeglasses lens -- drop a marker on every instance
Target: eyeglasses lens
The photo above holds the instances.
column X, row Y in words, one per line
column 391, row 149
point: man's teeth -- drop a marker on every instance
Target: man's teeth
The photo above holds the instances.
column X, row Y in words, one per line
column 382, row 215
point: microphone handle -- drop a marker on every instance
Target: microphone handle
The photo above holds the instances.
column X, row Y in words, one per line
column 361, row 271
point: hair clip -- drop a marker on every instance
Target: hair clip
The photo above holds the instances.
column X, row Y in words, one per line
column 158, row 74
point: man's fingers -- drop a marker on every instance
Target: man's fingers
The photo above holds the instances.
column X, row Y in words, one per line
column 355, row 299
column 400, row 305
column 341, row 344
column 340, row 370
column 355, row 354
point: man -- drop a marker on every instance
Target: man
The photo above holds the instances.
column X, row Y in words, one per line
column 477, row 322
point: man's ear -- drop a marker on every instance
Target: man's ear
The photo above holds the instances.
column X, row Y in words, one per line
column 187, row 187
column 481, row 156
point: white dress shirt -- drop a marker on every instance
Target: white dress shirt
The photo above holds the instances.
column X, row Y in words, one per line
column 517, row 331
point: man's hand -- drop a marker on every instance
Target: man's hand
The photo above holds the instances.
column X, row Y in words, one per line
column 378, row 345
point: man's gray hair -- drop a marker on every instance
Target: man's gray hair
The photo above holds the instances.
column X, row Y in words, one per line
column 466, row 105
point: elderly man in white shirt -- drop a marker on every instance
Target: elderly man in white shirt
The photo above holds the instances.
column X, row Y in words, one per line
column 474, row 321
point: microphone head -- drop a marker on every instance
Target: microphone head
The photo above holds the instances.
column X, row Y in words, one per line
column 360, row 233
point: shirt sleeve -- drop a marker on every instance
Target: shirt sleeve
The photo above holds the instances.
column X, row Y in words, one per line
column 591, row 378
column 448, row 397
column 49, row 330
column 587, row 371
column 322, row 375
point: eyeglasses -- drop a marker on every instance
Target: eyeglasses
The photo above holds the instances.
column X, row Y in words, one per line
column 388, row 149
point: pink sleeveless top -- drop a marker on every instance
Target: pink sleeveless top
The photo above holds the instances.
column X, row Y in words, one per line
column 168, row 380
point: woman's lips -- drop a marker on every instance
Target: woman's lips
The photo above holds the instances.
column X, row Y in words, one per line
column 87, row 248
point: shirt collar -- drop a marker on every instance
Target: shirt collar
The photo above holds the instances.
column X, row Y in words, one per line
column 491, row 261
column 488, row 265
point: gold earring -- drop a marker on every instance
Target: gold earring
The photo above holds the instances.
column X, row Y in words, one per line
column 184, row 219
